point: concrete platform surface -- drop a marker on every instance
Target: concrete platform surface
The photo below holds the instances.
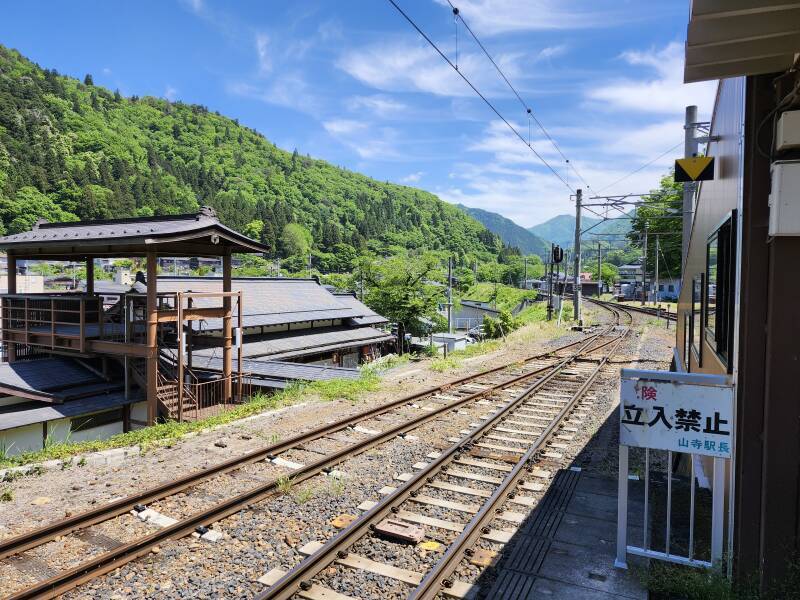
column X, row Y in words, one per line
column 565, row 549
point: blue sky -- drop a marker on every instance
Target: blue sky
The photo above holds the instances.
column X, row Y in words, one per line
column 351, row 82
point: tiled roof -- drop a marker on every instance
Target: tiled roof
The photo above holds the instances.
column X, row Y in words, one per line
column 48, row 379
column 30, row 413
column 140, row 232
column 368, row 316
column 275, row 369
column 272, row 300
column 302, row 343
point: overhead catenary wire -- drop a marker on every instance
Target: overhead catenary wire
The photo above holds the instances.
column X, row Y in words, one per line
column 478, row 92
column 528, row 109
column 644, row 166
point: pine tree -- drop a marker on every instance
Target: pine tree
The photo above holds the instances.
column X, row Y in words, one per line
column 88, row 79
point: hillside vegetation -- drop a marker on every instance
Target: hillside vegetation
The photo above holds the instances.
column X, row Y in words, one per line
column 510, row 233
column 72, row 150
column 561, row 229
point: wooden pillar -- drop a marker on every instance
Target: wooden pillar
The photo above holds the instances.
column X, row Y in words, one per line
column 240, row 349
column 227, row 333
column 12, row 289
column 90, row 275
column 12, row 273
column 152, row 330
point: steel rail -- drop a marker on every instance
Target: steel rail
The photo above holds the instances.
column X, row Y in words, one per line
column 47, row 533
column 647, row 310
column 299, row 577
column 440, row 575
column 113, row 559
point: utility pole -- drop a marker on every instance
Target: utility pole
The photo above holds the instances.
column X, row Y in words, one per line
column 576, row 295
column 689, row 150
column 644, row 269
column 657, row 251
column 599, row 271
column 550, row 286
column 450, row 294
column 525, row 280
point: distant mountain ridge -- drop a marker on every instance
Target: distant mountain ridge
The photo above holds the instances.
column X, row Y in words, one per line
column 512, row 234
column 561, row 229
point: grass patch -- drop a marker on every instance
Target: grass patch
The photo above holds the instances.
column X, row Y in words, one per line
column 6, row 495
column 336, row 485
column 666, row 581
column 285, row 484
column 164, row 434
column 506, row 298
column 440, row 365
column 304, row 495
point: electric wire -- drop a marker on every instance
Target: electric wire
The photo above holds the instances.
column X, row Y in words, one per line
column 478, row 92
column 524, row 104
column 644, row 166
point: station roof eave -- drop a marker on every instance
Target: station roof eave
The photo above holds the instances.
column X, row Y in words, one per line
column 732, row 38
column 199, row 234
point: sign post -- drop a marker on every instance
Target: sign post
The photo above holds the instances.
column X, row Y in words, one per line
column 688, row 413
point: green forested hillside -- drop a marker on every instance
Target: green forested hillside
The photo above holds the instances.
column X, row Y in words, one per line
column 561, row 229
column 510, row 233
column 73, row 150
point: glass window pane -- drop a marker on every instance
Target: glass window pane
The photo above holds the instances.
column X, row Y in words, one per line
column 711, row 286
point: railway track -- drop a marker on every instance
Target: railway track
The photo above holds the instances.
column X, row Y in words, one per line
column 478, row 485
column 349, row 437
column 646, row 310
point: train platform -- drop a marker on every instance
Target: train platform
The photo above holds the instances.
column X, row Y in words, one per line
column 566, row 547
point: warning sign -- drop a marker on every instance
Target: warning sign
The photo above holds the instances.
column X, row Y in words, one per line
column 698, row 168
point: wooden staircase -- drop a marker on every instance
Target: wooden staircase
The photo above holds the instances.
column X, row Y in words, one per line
column 166, row 392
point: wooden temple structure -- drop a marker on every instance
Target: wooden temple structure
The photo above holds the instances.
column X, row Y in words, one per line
column 148, row 334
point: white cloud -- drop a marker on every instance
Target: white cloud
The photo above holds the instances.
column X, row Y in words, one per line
column 663, row 91
column 379, row 105
column 343, row 126
column 492, row 17
column 290, row 90
column 412, row 177
column 196, row 6
column 170, row 93
column 414, row 67
column 550, row 52
column 262, row 50
column 330, row 30
column 365, row 139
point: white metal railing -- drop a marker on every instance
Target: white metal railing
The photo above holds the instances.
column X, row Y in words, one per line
column 705, row 395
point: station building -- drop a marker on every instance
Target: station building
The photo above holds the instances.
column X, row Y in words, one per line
column 110, row 358
column 737, row 311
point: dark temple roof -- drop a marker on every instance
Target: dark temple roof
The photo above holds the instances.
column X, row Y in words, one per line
column 270, row 301
column 199, row 234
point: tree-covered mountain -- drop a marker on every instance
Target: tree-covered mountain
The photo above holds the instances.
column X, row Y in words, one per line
column 511, row 233
column 73, row 150
column 561, row 229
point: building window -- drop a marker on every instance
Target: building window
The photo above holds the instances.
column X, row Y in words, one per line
column 687, row 328
column 697, row 317
column 720, row 288
column 671, row 288
column 660, row 287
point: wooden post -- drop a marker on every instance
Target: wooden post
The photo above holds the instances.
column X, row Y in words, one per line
column 90, row 275
column 12, row 289
column 240, row 349
column 227, row 345
column 189, row 334
column 179, row 330
column 152, row 331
